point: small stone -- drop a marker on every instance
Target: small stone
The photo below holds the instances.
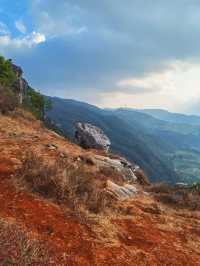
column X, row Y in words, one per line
column 63, row 155
column 51, row 146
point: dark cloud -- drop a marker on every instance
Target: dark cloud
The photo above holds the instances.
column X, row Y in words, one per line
column 120, row 40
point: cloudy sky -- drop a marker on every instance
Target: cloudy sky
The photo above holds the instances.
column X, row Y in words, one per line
column 134, row 53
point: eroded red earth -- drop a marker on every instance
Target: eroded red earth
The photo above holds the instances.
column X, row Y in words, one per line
column 138, row 235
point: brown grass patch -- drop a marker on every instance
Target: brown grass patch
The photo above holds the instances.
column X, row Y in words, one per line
column 142, row 177
column 159, row 188
column 63, row 182
column 111, row 174
column 175, row 197
column 8, row 102
column 17, row 249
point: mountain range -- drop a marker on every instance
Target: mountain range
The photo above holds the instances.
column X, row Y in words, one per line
column 166, row 145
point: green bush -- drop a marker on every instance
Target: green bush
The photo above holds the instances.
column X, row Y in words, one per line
column 7, row 75
column 36, row 103
column 196, row 186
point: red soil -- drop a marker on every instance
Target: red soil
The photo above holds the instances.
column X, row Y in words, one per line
column 138, row 235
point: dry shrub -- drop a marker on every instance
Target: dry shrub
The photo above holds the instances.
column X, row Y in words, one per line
column 23, row 114
column 163, row 192
column 175, row 197
column 17, row 249
column 192, row 200
column 8, row 101
column 142, row 177
column 112, row 174
column 87, row 159
column 180, row 199
column 161, row 187
column 38, row 176
column 64, row 182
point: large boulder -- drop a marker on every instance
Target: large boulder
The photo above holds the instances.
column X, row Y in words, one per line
column 91, row 137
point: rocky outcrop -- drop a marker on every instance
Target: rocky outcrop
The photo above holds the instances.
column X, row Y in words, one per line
column 121, row 192
column 20, row 85
column 91, row 137
column 121, row 165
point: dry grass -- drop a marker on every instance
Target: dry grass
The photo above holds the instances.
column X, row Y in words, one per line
column 63, row 182
column 142, row 177
column 8, row 102
column 17, row 249
column 112, row 173
column 159, row 188
column 178, row 198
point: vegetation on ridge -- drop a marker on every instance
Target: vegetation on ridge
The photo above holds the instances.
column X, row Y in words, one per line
column 37, row 103
column 7, row 75
column 34, row 101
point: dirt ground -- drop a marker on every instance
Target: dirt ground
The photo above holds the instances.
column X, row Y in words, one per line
column 36, row 231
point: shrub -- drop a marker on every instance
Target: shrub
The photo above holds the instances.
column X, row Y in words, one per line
column 142, row 177
column 7, row 75
column 159, row 188
column 37, row 103
column 176, row 197
column 8, row 101
column 112, row 173
column 196, row 187
column 17, row 248
column 63, row 182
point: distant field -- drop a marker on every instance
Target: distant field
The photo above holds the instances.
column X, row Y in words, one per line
column 187, row 165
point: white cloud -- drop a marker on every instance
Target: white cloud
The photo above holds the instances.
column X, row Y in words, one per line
column 28, row 41
column 20, row 26
column 57, row 20
column 4, row 40
column 175, row 89
column 37, row 38
column 3, row 29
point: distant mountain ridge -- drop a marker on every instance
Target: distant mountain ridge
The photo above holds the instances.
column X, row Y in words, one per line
column 129, row 140
column 165, row 144
column 172, row 117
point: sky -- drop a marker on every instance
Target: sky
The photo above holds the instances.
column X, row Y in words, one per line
column 111, row 53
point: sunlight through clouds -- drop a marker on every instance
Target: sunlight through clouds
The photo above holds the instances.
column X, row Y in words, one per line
column 170, row 88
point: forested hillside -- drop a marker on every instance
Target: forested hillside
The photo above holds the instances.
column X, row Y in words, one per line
column 128, row 140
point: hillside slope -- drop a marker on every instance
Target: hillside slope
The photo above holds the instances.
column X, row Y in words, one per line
column 131, row 141
column 181, row 140
column 35, row 230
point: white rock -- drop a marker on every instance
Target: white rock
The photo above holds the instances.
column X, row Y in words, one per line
column 91, row 137
column 121, row 192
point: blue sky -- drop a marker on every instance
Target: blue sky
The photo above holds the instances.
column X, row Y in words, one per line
column 112, row 53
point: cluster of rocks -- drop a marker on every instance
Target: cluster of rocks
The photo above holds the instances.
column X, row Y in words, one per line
column 91, row 137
